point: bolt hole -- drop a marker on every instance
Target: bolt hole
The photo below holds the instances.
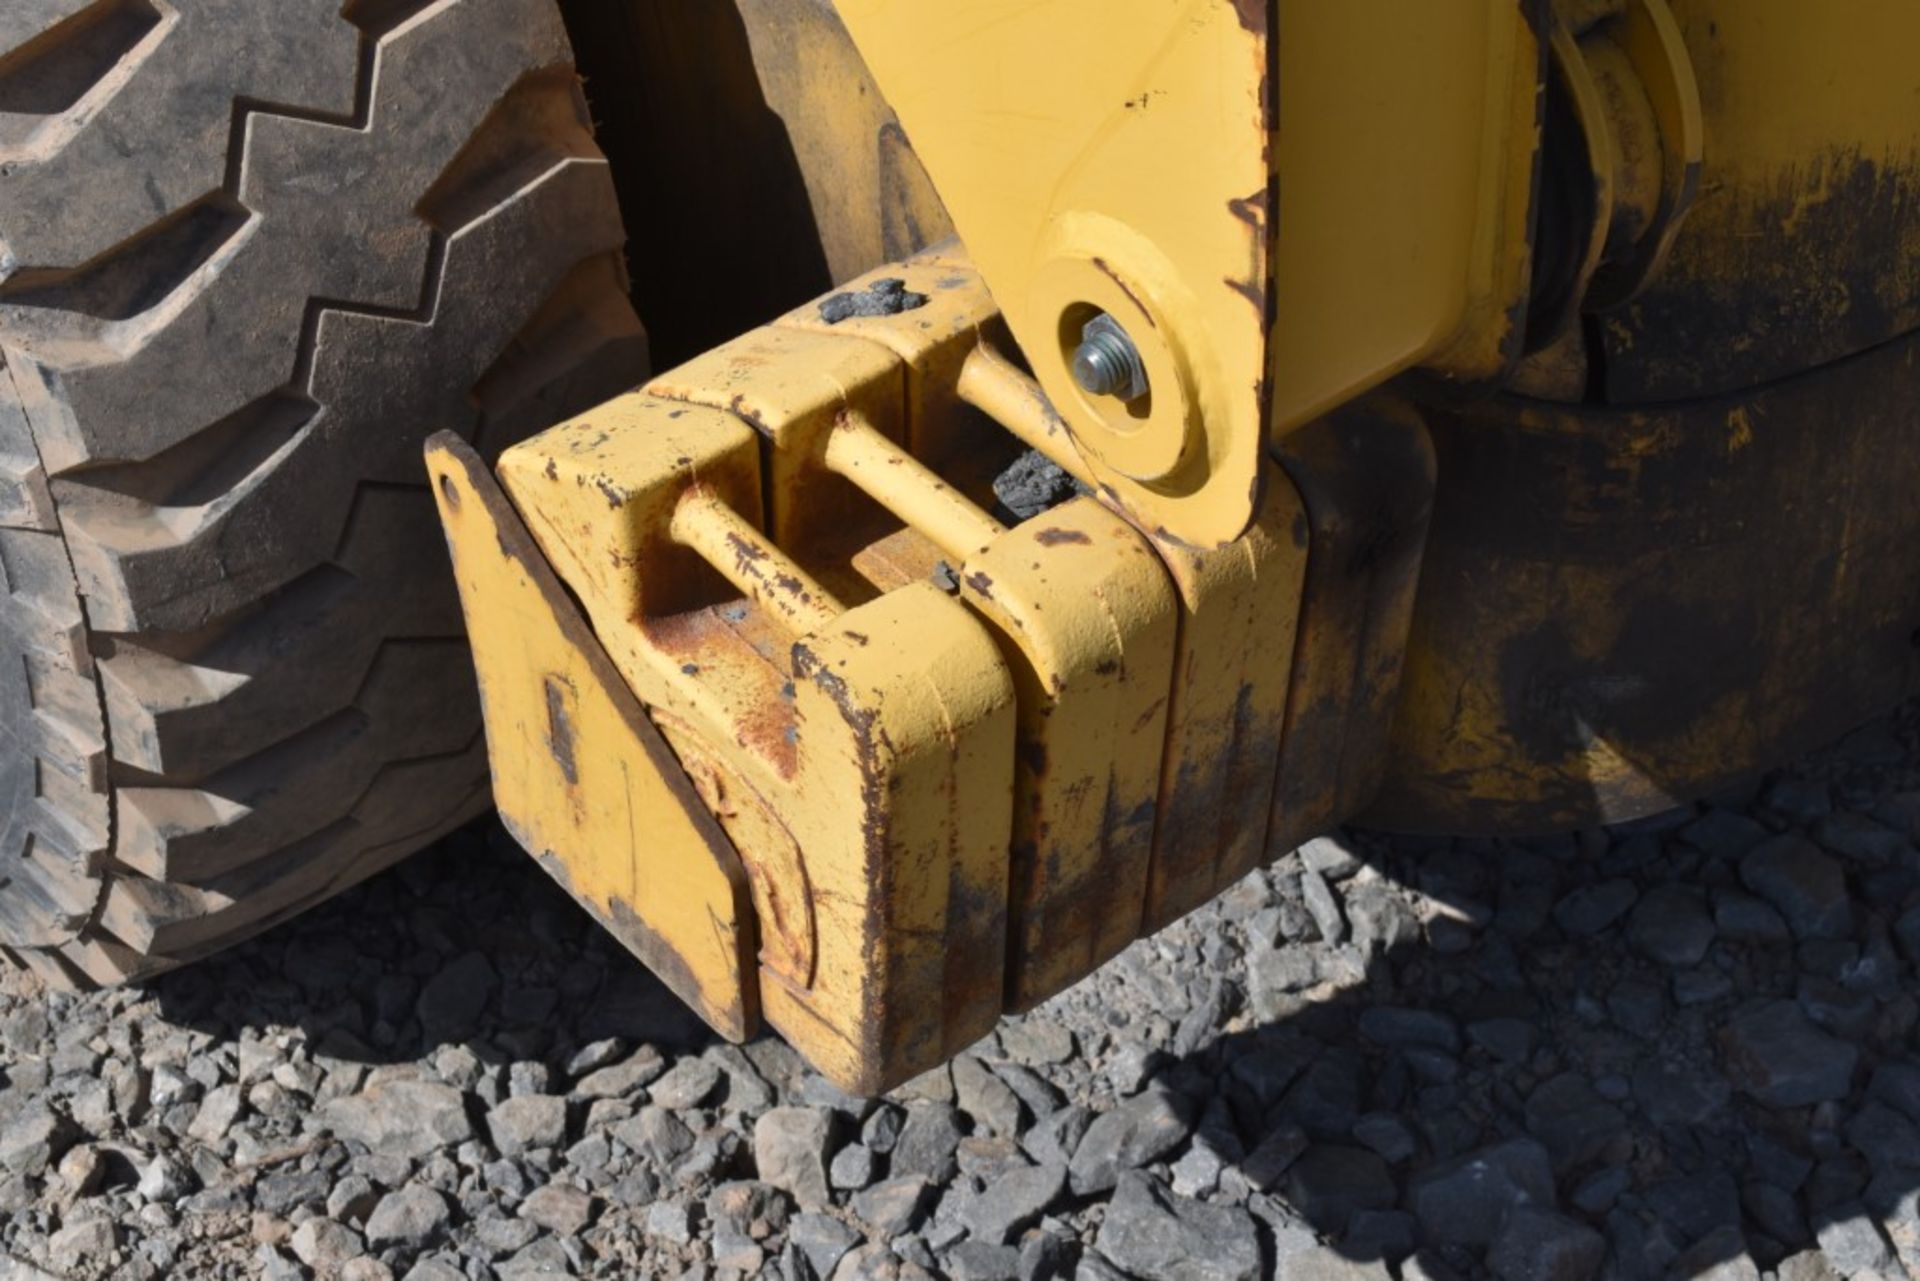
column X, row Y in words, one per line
column 450, row 491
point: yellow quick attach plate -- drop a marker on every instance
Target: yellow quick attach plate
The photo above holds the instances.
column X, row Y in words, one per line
column 965, row 757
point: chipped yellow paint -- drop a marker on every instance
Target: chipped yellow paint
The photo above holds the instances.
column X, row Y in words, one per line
column 1088, row 620
column 581, row 777
column 1082, row 607
column 862, row 759
column 947, row 805
column 1239, row 607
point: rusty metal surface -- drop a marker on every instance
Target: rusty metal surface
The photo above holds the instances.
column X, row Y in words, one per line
column 1626, row 609
column 858, row 751
column 1239, row 609
column 1804, row 243
column 965, row 755
column 1366, row 476
column 580, row 773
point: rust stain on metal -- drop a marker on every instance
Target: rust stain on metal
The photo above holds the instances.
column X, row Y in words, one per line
column 1055, row 537
column 981, row 583
column 1126, row 289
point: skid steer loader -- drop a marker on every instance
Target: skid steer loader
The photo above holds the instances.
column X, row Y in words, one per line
column 1074, row 452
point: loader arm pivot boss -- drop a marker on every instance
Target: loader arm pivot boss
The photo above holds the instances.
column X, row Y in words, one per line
column 894, row 665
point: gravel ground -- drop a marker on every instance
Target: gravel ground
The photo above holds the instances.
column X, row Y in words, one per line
column 1679, row 1048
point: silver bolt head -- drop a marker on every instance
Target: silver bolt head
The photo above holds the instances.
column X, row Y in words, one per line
column 1106, row 363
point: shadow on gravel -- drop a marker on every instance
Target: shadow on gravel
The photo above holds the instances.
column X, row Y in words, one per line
column 467, row 946
column 1679, row 1048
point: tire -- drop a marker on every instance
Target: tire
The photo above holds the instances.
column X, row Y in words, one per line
column 251, row 255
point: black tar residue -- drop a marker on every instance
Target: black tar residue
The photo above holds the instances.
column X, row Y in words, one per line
column 887, row 297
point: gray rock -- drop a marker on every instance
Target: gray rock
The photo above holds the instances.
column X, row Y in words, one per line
column 686, row 1084
column 894, row 1206
column 1673, row 1094
column 1324, row 907
column 1776, row 1211
column 1774, row 1053
column 1808, row 1265
column 1327, row 1098
column 34, row 1138
column 1380, row 1234
column 1465, row 1201
column 852, row 1168
column 1386, row 1134
column 1155, row 1234
column 1592, row 908
column 1329, row 857
column 1274, row 1155
column 165, row 1180
column 407, row 1119
column 1054, row 1138
column 1033, row 1090
column 1036, row 1041
column 325, row 1246
column 1398, row 1027
column 671, row 1221
column 219, row 1109
column 991, row 1103
column 1805, row 885
column 1138, row 1131
column 1574, row 1122
column 1540, row 1245
column 1596, row 1193
column 595, row 1055
column 451, row 1003
column 735, row 1254
column 619, row 1080
column 1859, row 838
column 1508, row 1039
column 1670, row 924
column 92, row 1238
column 981, row 1261
column 1897, row 1084
column 1747, row 918
column 525, row 1122
column 927, row 1142
column 822, row 1239
column 545, row 1257
column 1851, row 1240
column 413, row 1217
column 1380, row 919
column 1330, row 1181
column 1696, row 1204
column 284, row 1191
column 560, row 1208
column 790, row 1150
column 655, row 1133
column 1321, row 1263
column 1012, row 1202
